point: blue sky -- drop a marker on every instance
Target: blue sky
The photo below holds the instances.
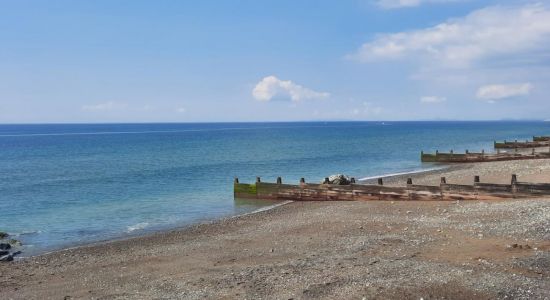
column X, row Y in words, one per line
column 202, row 61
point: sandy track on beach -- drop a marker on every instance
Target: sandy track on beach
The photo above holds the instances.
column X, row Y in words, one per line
column 317, row 250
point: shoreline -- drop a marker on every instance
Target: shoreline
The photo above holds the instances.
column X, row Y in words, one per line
column 320, row 250
column 151, row 233
column 391, row 179
column 129, row 235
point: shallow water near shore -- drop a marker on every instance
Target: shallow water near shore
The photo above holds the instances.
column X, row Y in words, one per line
column 71, row 184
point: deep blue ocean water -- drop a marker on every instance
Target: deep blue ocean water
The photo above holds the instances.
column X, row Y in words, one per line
column 64, row 185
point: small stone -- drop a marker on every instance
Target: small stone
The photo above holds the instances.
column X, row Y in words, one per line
column 408, row 211
column 272, row 250
column 8, row 257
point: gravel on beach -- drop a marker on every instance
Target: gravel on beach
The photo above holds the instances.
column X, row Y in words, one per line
column 322, row 250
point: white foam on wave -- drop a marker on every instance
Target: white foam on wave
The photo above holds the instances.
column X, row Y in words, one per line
column 138, row 226
column 402, row 173
column 266, row 208
column 17, row 234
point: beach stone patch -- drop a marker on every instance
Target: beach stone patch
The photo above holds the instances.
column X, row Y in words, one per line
column 5, row 246
column 8, row 257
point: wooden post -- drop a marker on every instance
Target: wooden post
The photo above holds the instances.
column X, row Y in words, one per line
column 409, row 181
column 279, row 180
column 258, row 180
column 236, row 180
column 380, row 182
column 352, row 180
column 533, row 153
column 514, row 186
column 443, row 180
column 326, row 181
column 476, row 179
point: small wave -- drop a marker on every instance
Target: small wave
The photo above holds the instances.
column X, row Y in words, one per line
column 266, row 208
column 401, row 173
column 138, row 226
column 17, row 234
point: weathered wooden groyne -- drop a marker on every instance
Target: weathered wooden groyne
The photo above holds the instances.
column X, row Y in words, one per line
column 521, row 144
column 365, row 192
column 467, row 157
column 541, row 138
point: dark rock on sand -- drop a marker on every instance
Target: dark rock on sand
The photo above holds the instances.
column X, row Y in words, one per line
column 8, row 257
column 3, row 235
column 4, row 252
column 5, row 246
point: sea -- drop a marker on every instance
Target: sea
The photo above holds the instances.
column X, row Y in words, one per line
column 63, row 185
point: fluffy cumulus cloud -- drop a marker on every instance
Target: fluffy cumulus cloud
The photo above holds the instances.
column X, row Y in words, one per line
column 389, row 4
column 492, row 32
column 432, row 99
column 271, row 88
column 500, row 91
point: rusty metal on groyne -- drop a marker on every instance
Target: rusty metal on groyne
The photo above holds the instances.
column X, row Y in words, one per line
column 366, row 192
column 468, row 157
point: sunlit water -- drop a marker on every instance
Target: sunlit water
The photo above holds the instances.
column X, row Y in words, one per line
column 63, row 185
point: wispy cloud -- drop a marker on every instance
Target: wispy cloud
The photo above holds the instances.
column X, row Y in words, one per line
column 432, row 99
column 390, row 4
column 181, row 110
column 272, row 88
column 500, row 91
column 493, row 32
column 107, row 106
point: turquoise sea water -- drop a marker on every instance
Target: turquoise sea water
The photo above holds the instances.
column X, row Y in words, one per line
column 62, row 185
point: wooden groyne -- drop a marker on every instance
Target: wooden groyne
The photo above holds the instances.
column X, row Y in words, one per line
column 467, row 157
column 365, row 192
column 521, row 144
column 541, row 138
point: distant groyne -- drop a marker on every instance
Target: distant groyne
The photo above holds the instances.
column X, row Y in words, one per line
column 467, row 157
column 521, row 144
column 368, row 192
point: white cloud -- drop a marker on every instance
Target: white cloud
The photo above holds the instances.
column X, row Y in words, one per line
column 388, row 4
column 371, row 109
column 432, row 99
column 492, row 32
column 500, row 91
column 181, row 110
column 273, row 88
column 107, row 106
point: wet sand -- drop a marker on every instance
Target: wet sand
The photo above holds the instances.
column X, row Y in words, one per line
column 322, row 250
